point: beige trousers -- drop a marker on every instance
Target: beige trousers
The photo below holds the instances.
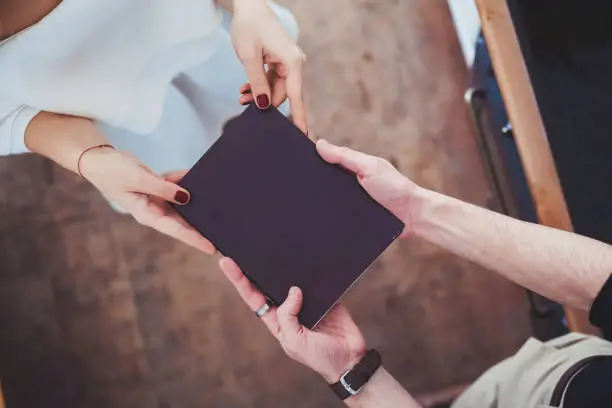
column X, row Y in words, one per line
column 528, row 379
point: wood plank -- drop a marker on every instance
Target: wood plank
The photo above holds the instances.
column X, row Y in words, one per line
column 528, row 128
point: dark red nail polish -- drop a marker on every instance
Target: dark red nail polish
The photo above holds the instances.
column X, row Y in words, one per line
column 263, row 101
column 181, row 197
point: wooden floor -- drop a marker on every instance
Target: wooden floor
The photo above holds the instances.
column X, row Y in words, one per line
column 97, row 312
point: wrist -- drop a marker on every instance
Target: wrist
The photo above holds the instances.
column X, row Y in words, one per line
column 421, row 204
column 333, row 374
column 91, row 158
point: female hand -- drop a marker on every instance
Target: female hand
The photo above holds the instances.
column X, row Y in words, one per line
column 126, row 182
column 335, row 345
column 383, row 182
column 259, row 38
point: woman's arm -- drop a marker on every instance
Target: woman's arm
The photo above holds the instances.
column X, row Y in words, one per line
column 226, row 4
column 62, row 138
column 261, row 39
column 119, row 176
column 17, row 15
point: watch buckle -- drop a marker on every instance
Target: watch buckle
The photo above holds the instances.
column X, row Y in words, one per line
column 348, row 386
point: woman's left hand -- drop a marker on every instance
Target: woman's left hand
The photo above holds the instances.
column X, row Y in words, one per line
column 260, row 39
column 335, row 345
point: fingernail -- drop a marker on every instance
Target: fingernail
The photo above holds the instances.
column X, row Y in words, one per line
column 247, row 92
column 293, row 291
column 181, row 197
column 263, row 101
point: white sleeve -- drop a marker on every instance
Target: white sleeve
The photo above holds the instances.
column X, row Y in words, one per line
column 12, row 129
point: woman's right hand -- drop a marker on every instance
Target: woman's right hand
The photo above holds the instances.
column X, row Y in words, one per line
column 126, row 182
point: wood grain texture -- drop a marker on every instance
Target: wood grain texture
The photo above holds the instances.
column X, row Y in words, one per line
column 528, row 128
column 120, row 316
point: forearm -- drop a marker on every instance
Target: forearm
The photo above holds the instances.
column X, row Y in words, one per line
column 382, row 391
column 62, row 138
column 562, row 266
column 226, row 4
column 230, row 5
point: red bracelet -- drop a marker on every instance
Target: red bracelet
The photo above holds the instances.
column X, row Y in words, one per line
column 100, row 146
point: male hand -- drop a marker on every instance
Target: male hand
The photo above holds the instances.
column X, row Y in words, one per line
column 383, row 182
column 335, row 345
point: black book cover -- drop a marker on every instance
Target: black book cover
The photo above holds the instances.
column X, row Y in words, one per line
column 265, row 198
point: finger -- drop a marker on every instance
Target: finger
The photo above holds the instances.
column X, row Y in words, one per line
column 277, row 84
column 312, row 135
column 175, row 227
column 246, row 88
column 248, row 292
column 279, row 92
column 294, row 92
column 175, row 176
column 256, row 73
column 360, row 163
column 153, row 185
column 196, row 240
column 246, row 99
column 288, row 312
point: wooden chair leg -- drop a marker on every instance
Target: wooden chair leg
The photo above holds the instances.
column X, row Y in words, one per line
column 528, row 128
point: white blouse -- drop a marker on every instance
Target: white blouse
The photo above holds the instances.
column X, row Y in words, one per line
column 134, row 66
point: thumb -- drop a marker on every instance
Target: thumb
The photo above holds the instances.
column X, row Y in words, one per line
column 255, row 70
column 360, row 163
column 153, row 185
column 287, row 314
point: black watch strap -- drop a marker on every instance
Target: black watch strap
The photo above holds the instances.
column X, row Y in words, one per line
column 353, row 380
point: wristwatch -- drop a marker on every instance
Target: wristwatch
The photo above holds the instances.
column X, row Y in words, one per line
column 352, row 382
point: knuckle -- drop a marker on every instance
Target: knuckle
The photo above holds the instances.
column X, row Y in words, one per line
column 246, row 54
column 141, row 178
column 343, row 151
column 259, row 82
column 380, row 164
column 296, row 56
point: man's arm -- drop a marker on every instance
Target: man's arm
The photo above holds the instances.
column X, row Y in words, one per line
column 565, row 267
column 382, row 391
